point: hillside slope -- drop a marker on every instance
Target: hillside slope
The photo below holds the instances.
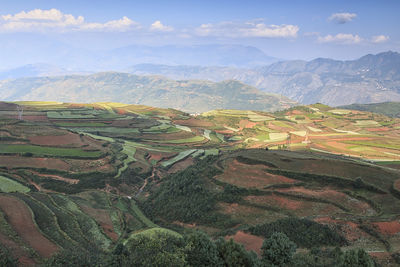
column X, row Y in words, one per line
column 391, row 109
column 186, row 95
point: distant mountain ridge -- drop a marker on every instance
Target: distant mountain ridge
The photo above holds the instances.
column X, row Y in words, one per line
column 187, row 95
column 369, row 79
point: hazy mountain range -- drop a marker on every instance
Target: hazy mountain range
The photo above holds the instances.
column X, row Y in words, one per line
column 158, row 91
column 369, row 79
column 95, row 60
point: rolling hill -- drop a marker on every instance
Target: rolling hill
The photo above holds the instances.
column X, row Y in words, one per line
column 187, row 95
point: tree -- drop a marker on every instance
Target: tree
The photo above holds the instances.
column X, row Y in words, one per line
column 234, row 254
column 278, row 250
column 156, row 247
column 357, row 258
column 201, row 250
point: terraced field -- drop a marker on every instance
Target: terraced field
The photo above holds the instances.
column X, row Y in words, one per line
column 95, row 175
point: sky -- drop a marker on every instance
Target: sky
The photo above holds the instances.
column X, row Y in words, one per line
column 283, row 29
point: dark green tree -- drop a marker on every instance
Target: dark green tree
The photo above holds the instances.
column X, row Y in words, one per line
column 234, row 254
column 277, row 250
column 357, row 258
column 201, row 250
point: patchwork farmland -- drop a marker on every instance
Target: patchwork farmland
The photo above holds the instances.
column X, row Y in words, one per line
column 111, row 170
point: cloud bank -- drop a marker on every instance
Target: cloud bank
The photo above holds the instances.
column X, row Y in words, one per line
column 247, row 29
column 341, row 38
column 342, row 18
column 379, row 39
column 158, row 26
column 39, row 20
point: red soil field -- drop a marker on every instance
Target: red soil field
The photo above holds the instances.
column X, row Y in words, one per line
column 17, row 251
column 244, row 175
column 70, row 139
column 336, row 138
column 49, row 163
column 250, row 242
column 246, row 124
column 381, row 129
column 355, row 205
column 224, row 131
column 297, row 207
column 31, row 117
column 388, row 228
column 20, row 218
column 102, row 217
column 277, row 201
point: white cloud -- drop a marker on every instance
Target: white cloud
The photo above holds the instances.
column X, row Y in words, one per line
column 247, row 29
column 55, row 20
column 379, row 39
column 342, row 18
column 342, row 38
column 158, row 26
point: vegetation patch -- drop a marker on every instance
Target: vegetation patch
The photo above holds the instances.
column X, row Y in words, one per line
column 8, row 185
column 182, row 155
column 303, row 232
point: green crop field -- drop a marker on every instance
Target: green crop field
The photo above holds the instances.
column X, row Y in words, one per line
column 81, row 124
column 49, row 151
column 129, row 149
column 107, row 130
column 7, row 185
column 182, row 155
column 193, row 139
column 68, row 115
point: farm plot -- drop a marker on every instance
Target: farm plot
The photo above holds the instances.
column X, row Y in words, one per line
column 69, row 115
column 57, row 140
column 298, row 207
column 129, row 149
column 106, row 130
column 194, row 139
column 49, row 151
column 182, row 155
column 8, row 185
column 20, row 218
column 250, row 176
column 18, row 162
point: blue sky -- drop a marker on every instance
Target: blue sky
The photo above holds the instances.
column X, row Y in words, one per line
column 284, row 29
